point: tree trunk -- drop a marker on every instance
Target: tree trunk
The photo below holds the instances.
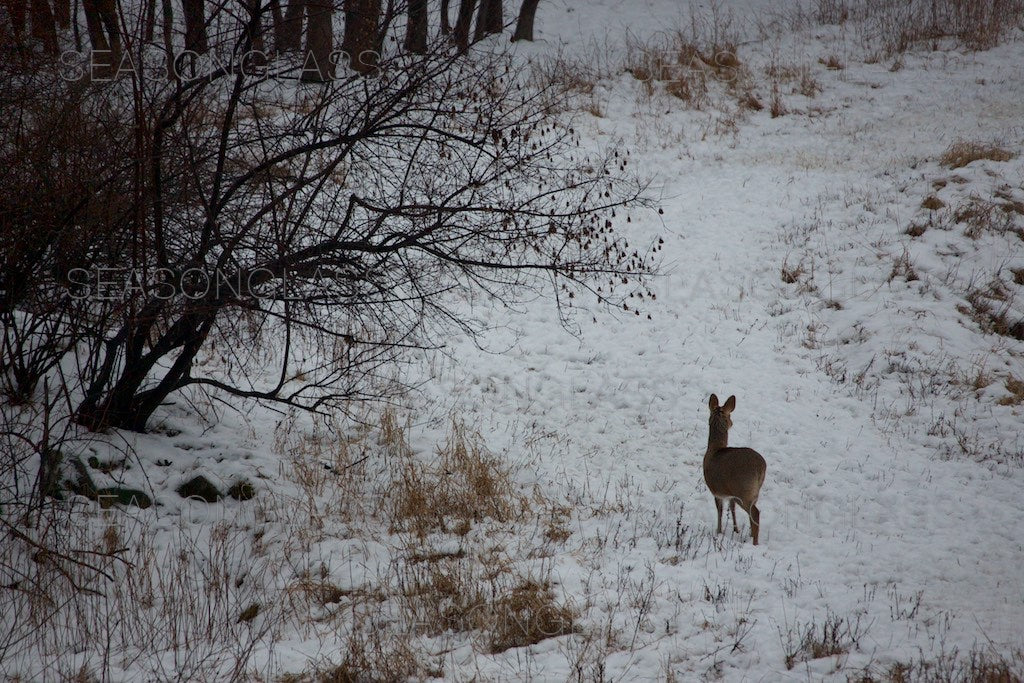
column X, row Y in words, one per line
column 317, row 66
column 195, row 26
column 149, row 21
column 277, row 19
column 446, row 26
column 489, row 19
column 524, row 24
column 74, row 27
column 44, row 30
column 101, row 20
column 360, row 39
column 254, row 29
column 108, row 15
column 62, row 13
column 148, row 401
column 167, row 28
column 383, row 25
column 291, row 26
column 416, row 29
column 97, row 37
column 120, row 403
column 461, row 32
column 17, row 10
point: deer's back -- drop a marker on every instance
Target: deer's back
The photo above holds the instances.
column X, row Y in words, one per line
column 735, row 472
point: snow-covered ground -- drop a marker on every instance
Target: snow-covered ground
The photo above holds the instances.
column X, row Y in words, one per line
column 885, row 410
column 865, row 505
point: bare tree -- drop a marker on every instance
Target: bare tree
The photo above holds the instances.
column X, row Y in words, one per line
column 524, row 24
column 290, row 250
column 64, row 188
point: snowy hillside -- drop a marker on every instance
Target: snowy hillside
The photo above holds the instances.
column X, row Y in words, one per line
column 843, row 251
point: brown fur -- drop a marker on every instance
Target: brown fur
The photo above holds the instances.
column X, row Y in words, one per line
column 732, row 474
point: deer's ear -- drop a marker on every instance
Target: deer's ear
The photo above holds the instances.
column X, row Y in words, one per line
column 713, row 402
column 730, row 405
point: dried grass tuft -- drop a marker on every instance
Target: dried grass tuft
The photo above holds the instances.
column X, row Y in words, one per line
column 962, row 152
column 464, row 485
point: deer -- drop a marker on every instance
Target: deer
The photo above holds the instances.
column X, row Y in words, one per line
column 732, row 474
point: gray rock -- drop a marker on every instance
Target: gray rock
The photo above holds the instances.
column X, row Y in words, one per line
column 241, row 490
column 200, row 487
column 116, row 495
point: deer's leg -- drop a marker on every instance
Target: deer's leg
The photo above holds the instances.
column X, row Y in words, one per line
column 755, row 521
column 718, row 506
column 732, row 509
